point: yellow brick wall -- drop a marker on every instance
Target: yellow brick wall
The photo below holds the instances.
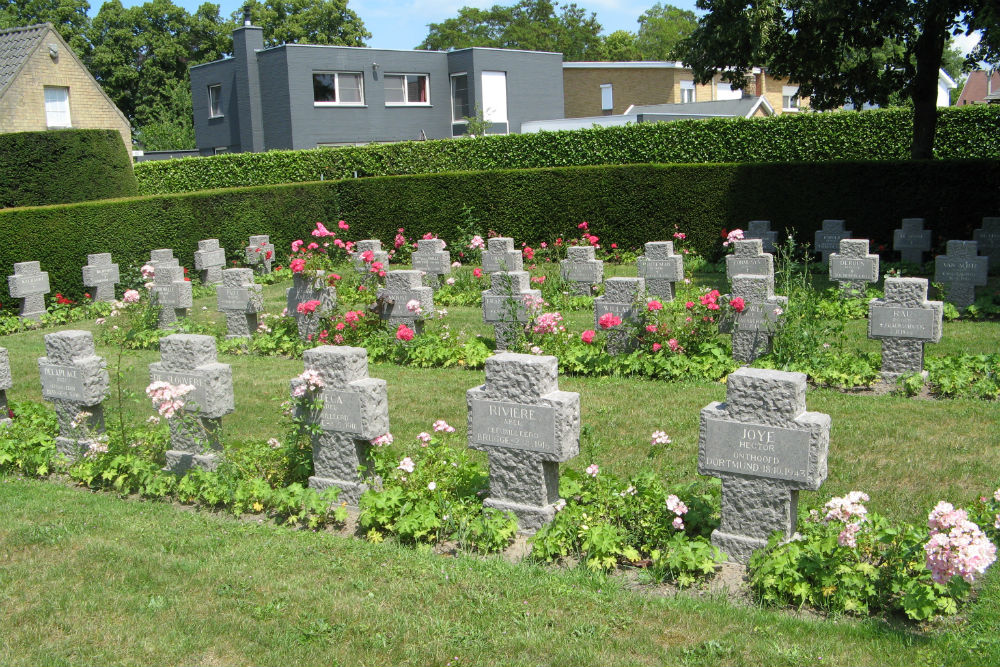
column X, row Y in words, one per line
column 22, row 107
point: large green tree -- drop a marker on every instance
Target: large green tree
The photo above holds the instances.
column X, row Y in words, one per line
column 305, row 22
column 858, row 51
column 661, row 30
column 69, row 17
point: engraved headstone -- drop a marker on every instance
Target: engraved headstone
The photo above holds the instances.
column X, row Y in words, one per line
column 660, row 268
column 912, row 240
column 761, row 229
column 527, row 427
column 961, row 269
column 764, row 447
column 505, row 305
column 260, row 253
column 30, row 284
column 301, row 298
column 749, row 259
column 209, row 260
column 432, row 260
column 172, row 293
column 828, row 237
column 355, row 410
column 190, row 359
column 367, row 254
column 621, row 299
column 988, row 239
column 6, row 382
column 853, row 266
column 501, row 255
column 581, row 270
column 753, row 328
column 101, row 275
column 75, row 380
column 404, row 300
column 904, row 320
column 240, row 299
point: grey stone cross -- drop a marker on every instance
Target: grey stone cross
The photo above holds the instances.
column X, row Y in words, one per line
column 374, row 246
column 527, row 426
column 912, row 240
column 853, row 266
column 172, row 293
column 355, row 410
column 962, row 269
column 505, row 305
column 753, row 328
column 501, row 255
column 101, row 275
column 260, row 253
column 191, row 359
column 162, row 257
column 306, row 288
column 761, row 229
column 240, row 299
column 75, row 380
column 828, row 237
column 209, row 260
column 31, row 284
column 6, row 382
column 433, row 260
column 988, row 238
column 581, row 270
column 621, row 298
column 660, row 268
column 764, row 447
column 749, row 259
column 904, row 320
column 401, row 289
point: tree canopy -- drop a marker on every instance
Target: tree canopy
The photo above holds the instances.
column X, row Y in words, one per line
column 661, row 30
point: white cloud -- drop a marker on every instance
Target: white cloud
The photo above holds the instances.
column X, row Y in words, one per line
column 967, row 42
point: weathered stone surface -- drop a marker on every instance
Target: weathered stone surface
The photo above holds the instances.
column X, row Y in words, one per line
column 621, row 298
column 171, row 292
column 753, row 328
column 904, row 319
column 505, row 305
column 75, row 380
column 162, row 257
column 749, row 259
column 101, row 276
column 30, row 284
column 827, row 239
column 912, row 240
column 660, row 268
column 6, row 382
column 987, row 239
column 962, row 270
column 853, row 267
column 581, row 270
column 260, row 253
column 209, row 260
column 521, row 396
column 240, row 299
column 402, row 288
column 767, row 462
column 761, row 230
column 306, row 288
column 501, row 255
column 432, row 260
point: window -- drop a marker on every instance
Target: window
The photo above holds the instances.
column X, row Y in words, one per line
column 495, row 96
column 459, row 97
column 607, row 97
column 725, row 91
column 687, row 92
column 215, row 101
column 57, row 106
column 337, row 88
column 219, row 150
column 406, row 89
column 789, row 98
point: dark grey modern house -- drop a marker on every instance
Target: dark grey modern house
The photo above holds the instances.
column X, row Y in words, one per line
column 303, row 96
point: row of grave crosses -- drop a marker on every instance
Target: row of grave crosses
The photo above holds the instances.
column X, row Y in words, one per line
column 761, row 441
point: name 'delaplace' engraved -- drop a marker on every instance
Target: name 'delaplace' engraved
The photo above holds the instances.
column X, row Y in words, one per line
column 902, row 322
column 61, row 382
column 757, row 450
column 514, row 425
column 341, row 412
column 194, row 399
column 232, row 298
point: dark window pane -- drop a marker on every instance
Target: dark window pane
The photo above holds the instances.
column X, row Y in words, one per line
column 324, row 89
column 460, row 96
column 416, row 89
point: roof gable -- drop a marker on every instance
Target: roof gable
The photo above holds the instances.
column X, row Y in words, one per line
column 16, row 45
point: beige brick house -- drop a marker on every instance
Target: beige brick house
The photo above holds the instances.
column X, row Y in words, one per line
column 43, row 85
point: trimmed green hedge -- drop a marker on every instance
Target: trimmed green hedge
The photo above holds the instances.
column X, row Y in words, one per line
column 628, row 205
column 966, row 132
column 61, row 166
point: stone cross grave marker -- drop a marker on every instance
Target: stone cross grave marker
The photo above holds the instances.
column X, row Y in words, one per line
column 761, row 229
column 172, row 292
column 432, row 260
column 373, row 246
column 962, row 270
column 853, row 266
column 505, row 305
column 660, row 268
column 828, row 237
column 753, row 328
column 749, row 259
column 764, row 447
column 75, row 380
column 501, row 255
column 527, row 426
column 582, row 270
column 912, row 240
column 162, row 257
column 260, row 253
column 394, row 300
column 209, row 260
column 988, row 239
column 190, row 359
column 6, row 382
column 904, row 320
column 240, row 299
column 307, row 288
column 355, row 411
column 30, row 284
column 620, row 298
column 101, row 275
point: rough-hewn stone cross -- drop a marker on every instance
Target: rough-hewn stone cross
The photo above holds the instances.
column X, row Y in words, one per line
column 962, row 269
column 761, row 229
column 260, row 253
column 30, row 284
column 432, row 260
column 753, row 328
column 581, row 270
column 749, row 259
column 988, row 239
column 240, row 299
column 505, row 305
column 101, row 275
column 853, row 267
column 364, row 266
column 501, row 255
column 172, row 293
column 75, row 380
column 904, row 320
column 209, row 260
column 621, row 297
column 660, row 268
column 401, row 289
column 162, row 257
column 828, row 237
column 307, row 288
column 912, row 240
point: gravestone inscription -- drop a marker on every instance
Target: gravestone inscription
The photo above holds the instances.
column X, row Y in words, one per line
column 308, row 299
column 621, row 301
column 962, row 270
column 259, row 254
column 988, row 239
column 749, row 259
column 853, row 266
column 30, row 284
column 501, row 255
column 827, row 238
column 904, row 320
column 101, row 275
column 581, row 270
column 172, row 294
column 75, row 380
column 912, row 240
column 660, row 268
column 432, row 260
column 404, row 300
column 754, row 326
column 506, row 305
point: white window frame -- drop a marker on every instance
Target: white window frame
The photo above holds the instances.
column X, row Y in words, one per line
column 219, row 150
column 471, row 106
column 57, row 118
column 406, row 102
column 688, row 91
column 336, row 89
column 217, row 101
column 790, row 99
column 607, row 97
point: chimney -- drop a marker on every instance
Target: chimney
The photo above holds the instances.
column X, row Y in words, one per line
column 247, row 40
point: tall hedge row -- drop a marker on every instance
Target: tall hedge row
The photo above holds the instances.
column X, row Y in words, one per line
column 627, row 205
column 966, row 132
column 60, row 166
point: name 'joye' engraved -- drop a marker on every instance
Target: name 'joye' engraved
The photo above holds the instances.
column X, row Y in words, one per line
column 758, row 450
column 902, row 322
column 842, row 268
column 341, row 412
column 757, row 317
column 232, row 298
column 61, row 382
column 514, row 425
column 196, row 380
column 497, row 308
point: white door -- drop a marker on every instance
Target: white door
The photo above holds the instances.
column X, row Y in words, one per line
column 495, row 97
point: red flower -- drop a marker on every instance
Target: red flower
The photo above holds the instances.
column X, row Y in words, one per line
column 609, row 321
column 588, row 336
column 724, row 233
column 738, row 304
column 614, row 246
column 582, row 225
column 187, row 280
column 87, row 294
column 404, row 333
column 267, row 255
column 185, row 270
column 477, row 272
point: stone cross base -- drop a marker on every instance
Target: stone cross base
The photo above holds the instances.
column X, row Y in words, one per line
column 660, row 287
column 912, row 255
column 195, row 443
column 417, row 325
column 33, row 307
column 577, row 288
column 752, row 509
column 72, row 441
column 961, row 295
column 336, row 457
column 621, row 340
column 525, row 484
column 4, row 419
column 852, row 289
column 246, row 323
column 901, row 356
column 748, row 345
column 508, row 334
column 103, row 292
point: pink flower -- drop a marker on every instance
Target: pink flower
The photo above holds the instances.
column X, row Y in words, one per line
column 406, row 465
column 588, row 336
column 614, row 246
column 689, row 305
column 651, row 328
column 477, row 272
column 368, row 257
column 442, row 425
column 308, row 307
column 131, row 296
column 424, row 438
column 674, row 345
column 404, row 333
column 609, row 321
column 654, row 305
column 737, row 304
column 352, row 316
column 321, row 231
column 656, row 347
column 582, row 225
column 297, row 265
column 680, row 236
column 338, row 339
column 399, row 241
column 386, row 439
column 428, row 236
column 544, row 244
column 593, row 470
column 312, row 246
column 678, row 523
column 343, row 225
column 339, row 326
column 296, row 245
column 528, row 253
